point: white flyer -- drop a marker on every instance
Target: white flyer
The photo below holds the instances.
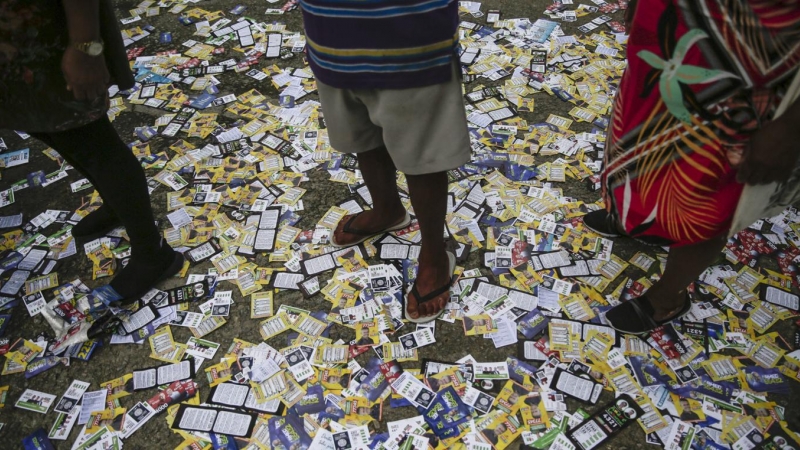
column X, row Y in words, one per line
column 63, row 424
column 35, row 401
column 413, row 390
column 71, row 398
column 92, row 402
column 417, row 339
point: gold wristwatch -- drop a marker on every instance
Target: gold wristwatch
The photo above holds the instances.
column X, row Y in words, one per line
column 91, row 48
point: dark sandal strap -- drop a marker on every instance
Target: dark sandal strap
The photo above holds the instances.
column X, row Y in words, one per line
column 431, row 295
column 687, row 305
column 346, row 228
column 614, row 226
column 643, row 316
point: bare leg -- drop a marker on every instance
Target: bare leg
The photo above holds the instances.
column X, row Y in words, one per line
column 684, row 265
column 379, row 174
column 429, row 197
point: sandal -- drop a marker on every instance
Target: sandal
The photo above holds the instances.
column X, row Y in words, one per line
column 636, row 316
column 431, row 295
column 603, row 223
column 367, row 234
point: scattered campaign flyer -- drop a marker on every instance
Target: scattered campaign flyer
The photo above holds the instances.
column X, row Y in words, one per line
column 249, row 184
column 575, row 386
column 72, row 397
column 136, row 417
column 201, row 348
column 15, row 158
column 63, row 424
column 163, row 374
column 212, row 420
column 413, row 390
column 11, row 221
column 92, row 402
column 35, row 401
column 604, row 424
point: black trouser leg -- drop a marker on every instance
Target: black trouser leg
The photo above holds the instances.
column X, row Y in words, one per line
column 99, row 221
column 98, row 153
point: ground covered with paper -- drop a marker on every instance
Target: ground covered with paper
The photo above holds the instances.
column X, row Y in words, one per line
column 271, row 339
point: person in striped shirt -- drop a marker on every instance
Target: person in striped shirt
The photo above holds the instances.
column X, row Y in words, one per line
column 390, row 87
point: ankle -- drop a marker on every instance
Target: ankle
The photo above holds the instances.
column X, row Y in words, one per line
column 665, row 301
column 432, row 255
column 389, row 209
column 149, row 252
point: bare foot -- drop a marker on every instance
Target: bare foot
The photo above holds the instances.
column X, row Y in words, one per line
column 666, row 308
column 369, row 222
column 433, row 273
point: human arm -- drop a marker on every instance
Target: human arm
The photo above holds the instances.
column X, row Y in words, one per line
column 86, row 76
column 772, row 153
column 629, row 13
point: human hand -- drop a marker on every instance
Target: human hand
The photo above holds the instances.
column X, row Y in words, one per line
column 86, row 76
column 629, row 13
column 771, row 155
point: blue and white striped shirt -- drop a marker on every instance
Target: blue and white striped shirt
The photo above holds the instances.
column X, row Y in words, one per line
column 381, row 44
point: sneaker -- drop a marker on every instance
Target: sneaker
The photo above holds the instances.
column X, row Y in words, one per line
column 602, row 223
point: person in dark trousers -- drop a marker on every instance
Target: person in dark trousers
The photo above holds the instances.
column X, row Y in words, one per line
column 57, row 60
column 390, row 88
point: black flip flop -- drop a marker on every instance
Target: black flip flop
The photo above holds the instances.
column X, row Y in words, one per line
column 432, row 295
column 636, row 316
column 367, row 234
column 603, row 223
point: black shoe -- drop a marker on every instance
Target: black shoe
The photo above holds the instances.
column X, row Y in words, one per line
column 105, row 325
column 95, row 225
column 636, row 315
column 143, row 272
column 602, row 223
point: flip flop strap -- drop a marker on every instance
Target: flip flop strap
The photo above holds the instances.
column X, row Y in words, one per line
column 431, row 295
column 346, row 228
column 643, row 316
column 687, row 305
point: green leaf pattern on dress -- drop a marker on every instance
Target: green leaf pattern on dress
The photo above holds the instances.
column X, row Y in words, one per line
column 674, row 72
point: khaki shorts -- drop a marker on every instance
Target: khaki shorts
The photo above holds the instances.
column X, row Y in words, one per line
column 424, row 129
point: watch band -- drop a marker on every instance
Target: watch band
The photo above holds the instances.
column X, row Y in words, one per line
column 91, row 48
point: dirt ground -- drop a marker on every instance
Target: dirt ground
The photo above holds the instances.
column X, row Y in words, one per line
column 109, row 362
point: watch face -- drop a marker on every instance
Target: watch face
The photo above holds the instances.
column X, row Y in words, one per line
column 95, row 48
